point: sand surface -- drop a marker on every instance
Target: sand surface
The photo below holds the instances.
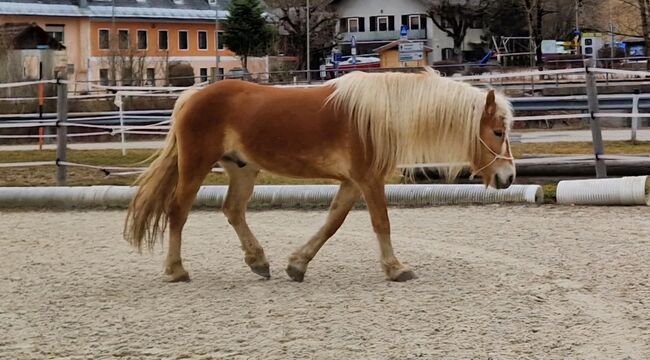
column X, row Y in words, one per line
column 495, row 282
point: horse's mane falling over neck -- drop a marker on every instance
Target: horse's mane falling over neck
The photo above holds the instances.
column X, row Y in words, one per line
column 414, row 118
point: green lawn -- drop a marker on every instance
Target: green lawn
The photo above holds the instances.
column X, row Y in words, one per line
column 45, row 175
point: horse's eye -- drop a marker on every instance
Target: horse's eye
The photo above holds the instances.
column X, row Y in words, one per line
column 498, row 133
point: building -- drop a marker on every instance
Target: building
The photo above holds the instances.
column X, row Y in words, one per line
column 131, row 41
column 27, row 53
column 376, row 23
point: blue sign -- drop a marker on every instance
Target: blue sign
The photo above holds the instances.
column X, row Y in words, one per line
column 404, row 31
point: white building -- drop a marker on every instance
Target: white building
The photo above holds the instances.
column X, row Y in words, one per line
column 375, row 23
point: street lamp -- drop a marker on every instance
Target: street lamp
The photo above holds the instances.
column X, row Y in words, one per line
column 308, row 45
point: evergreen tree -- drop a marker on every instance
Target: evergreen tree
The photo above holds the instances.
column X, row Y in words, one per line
column 246, row 31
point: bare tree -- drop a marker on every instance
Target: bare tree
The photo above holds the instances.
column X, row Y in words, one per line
column 128, row 63
column 292, row 22
column 454, row 17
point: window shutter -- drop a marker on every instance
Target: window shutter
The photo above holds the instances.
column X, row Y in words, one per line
column 343, row 25
column 373, row 23
column 391, row 23
column 405, row 20
column 362, row 24
column 423, row 23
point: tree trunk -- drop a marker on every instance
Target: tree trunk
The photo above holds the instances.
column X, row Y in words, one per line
column 645, row 26
column 539, row 12
column 458, row 48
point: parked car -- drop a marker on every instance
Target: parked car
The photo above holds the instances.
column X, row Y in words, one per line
column 239, row 73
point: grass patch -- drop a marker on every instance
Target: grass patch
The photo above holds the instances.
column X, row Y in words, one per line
column 46, row 175
column 578, row 148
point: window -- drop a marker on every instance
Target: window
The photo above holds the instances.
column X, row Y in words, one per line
column 182, row 40
column 204, row 74
column 353, row 25
column 414, row 22
column 221, row 72
column 382, row 23
column 212, row 2
column 123, row 38
column 163, row 42
column 203, row 40
column 56, row 31
column 220, row 40
column 151, row 76
column 447, row 53
column 104, row 39
column 589, row 50
column 589, row 42
column 142, row 40
column 103, row 77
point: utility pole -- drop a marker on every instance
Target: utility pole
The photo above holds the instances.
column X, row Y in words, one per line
column 308, row 44
column 611, row 33
column 217, row 58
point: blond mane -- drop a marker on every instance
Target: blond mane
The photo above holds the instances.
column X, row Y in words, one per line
column 414, row 118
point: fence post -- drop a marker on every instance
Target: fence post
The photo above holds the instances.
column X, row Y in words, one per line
column 61, row 130
column 635, row 111
column 119, row 101
column 596, row 133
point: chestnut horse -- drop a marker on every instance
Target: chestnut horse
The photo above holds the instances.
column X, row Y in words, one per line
column 356, row 129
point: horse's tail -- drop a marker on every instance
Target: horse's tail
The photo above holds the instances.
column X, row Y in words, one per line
column 146, row 218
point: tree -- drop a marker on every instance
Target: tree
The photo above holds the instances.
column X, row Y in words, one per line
column 535, row 13
column 292, row 23
column 454, row 17
column 246, row 31
column 506, row 18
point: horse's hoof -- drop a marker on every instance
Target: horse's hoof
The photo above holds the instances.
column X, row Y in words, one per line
column 405, row 275
column 262, row 270
column 295, row 274
column 178, row 277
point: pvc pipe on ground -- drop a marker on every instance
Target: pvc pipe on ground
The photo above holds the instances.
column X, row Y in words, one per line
column 270, row 196
column 633, row 190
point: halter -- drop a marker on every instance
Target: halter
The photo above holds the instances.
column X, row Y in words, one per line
column 496, row 157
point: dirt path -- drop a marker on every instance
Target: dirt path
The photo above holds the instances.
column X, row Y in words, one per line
column 494, row 282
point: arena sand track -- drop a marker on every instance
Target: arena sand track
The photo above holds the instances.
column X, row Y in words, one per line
column 494, row 282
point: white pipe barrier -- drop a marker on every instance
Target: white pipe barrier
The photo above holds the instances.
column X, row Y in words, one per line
column 633, row 190
column 269, row 196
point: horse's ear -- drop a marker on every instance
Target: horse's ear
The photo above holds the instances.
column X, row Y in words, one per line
column 490, row 103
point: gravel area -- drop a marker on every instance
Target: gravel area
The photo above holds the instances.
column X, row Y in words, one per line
column 495, row 282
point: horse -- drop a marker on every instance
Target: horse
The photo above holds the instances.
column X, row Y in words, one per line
column 356, row 129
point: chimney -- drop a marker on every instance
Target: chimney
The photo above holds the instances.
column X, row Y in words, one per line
column 83, row 3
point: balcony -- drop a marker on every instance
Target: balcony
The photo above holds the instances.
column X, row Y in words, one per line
column 383, row 35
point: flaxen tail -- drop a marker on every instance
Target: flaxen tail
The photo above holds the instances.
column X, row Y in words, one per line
column 146, row 219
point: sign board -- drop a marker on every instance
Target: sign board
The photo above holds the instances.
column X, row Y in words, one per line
column 411, row 47
column 411, row 56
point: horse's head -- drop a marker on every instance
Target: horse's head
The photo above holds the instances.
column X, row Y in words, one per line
column 493, row 159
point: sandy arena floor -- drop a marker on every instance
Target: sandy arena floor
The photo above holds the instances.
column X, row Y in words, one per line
column 495, row 282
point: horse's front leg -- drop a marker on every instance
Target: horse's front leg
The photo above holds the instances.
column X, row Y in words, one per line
column 373, row 193
column 344, row 200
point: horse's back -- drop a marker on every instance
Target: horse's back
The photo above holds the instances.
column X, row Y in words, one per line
column 290, row 131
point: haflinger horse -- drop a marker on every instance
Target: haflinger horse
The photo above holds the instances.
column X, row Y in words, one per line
column 356, row 129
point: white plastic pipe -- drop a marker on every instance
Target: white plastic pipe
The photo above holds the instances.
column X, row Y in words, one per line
column 632, row 190
column 269, row 196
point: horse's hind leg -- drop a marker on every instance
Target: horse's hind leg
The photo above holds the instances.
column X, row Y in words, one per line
column 347, row 195
column 240, row 189
column 373, row 193
column 191, row 175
